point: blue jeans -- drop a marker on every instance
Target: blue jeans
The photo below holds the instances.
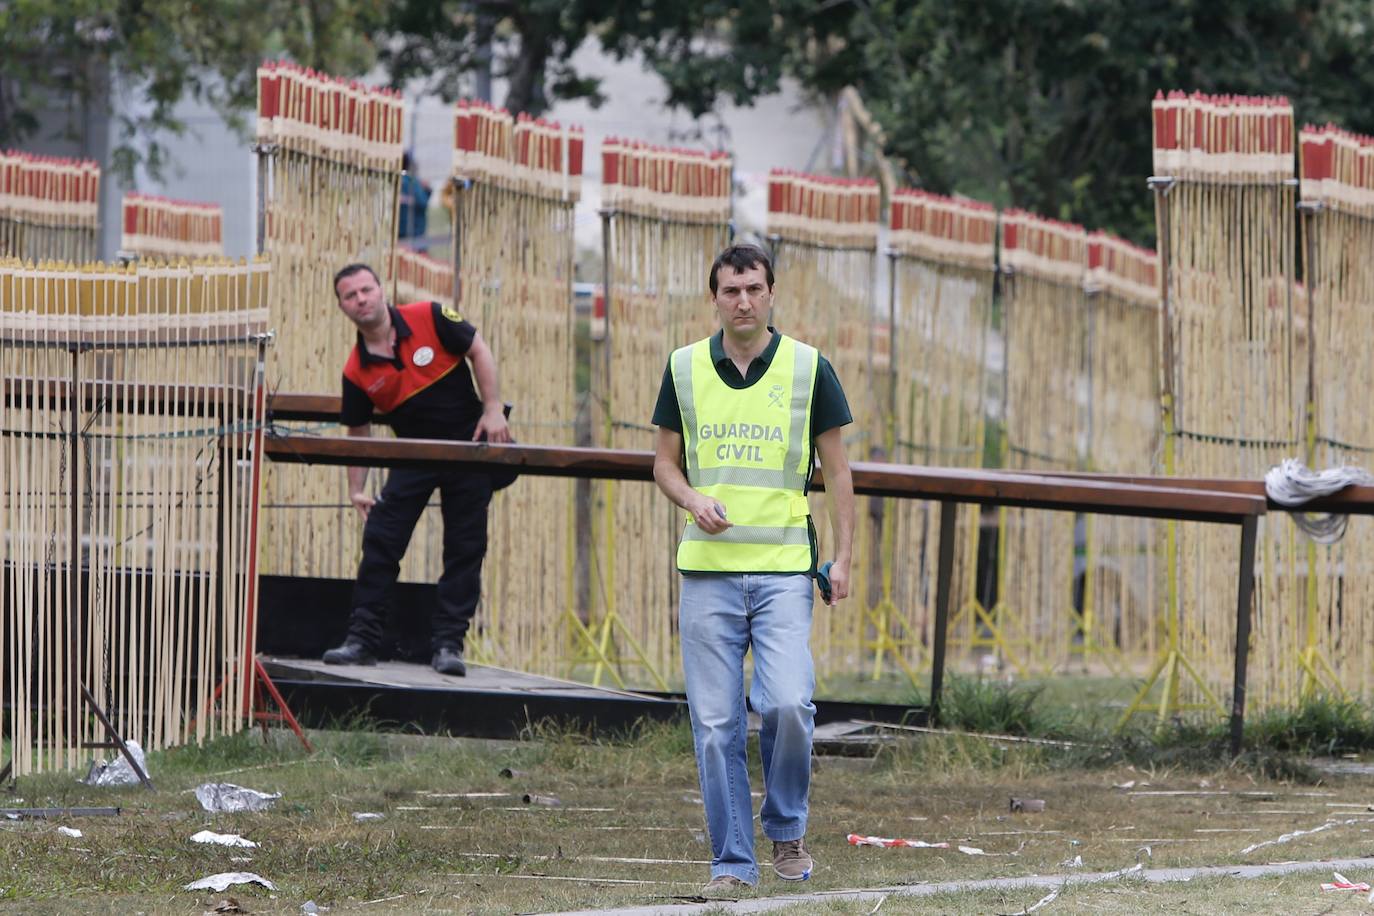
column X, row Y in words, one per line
column 720, row 617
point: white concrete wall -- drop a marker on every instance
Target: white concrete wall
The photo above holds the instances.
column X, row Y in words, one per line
column 208, row 162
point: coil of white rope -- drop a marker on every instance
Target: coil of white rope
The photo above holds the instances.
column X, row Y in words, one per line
column 1291, row 483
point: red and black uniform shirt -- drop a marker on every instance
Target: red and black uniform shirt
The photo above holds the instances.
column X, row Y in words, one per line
column 426, row 389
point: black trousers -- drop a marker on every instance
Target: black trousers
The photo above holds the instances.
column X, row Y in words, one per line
column 464, row 498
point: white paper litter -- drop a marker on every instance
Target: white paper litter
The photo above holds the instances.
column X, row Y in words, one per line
column 367, row 816
column 222, row 839
column 224, row 880
column 116, row 771
column 1054, row 894
column 971, row 851
column 1297, row 833
column 221, row 797
column 1042, row 902
column 69, row 831
column 1075, row 862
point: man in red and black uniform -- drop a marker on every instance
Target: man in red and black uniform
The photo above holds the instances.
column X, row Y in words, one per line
column 412, row 363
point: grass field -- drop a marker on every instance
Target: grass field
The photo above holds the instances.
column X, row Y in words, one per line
column 455, row 835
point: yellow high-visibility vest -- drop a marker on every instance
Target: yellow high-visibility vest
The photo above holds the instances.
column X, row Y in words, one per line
column 750, row 450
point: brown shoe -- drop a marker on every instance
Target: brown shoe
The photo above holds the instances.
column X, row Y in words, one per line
column 725, row 886
column 791, row 861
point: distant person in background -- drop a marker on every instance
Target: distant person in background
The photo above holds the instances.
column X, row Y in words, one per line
column 414, row 203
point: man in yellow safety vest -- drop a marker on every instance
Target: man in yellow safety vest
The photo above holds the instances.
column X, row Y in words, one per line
column 741, row 416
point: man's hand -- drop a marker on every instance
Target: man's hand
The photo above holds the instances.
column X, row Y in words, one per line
column 362, row 502
column 492, row 425
column 839, row 582
column 709, row 513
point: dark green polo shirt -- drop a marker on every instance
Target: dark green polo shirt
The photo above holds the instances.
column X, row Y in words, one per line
column 829, row 407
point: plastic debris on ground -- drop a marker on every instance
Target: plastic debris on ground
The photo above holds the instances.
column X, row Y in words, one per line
column 1027, row 805
column 1342, row 883
column 70, row 831
column 1075, row 862
column 547, row 800
column 1042, row 902
column 116, row 771
column 225, row 797
column 227, row 905
column 227, row 879
column 367, row 816
column 890, row 843
column 222, row 839
column 1288, row 837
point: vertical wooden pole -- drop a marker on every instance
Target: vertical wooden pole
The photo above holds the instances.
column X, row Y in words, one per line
column 1245, row 589
column 944, row 573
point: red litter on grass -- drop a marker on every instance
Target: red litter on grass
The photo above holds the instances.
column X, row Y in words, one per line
column 885, row 843
column 1342, row 883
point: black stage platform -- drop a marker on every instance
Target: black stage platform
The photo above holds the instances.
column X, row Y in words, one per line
column 493, row 702
column 300, row 618
column 488, row 703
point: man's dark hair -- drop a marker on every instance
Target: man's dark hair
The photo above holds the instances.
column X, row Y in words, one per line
column 740, row 258
column 349, row 270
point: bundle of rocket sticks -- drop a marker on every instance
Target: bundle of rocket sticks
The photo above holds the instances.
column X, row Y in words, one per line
column 49, row 207
column 941, row 261
column 1232, row 385
column 824, row 233
column 421, row 277
column 1045, row 318
column 133, row 400
column 516, row 183
column 329, row 167
column 665, row 217
column 1120, row 590
column 159, row 227
column 1337, row 193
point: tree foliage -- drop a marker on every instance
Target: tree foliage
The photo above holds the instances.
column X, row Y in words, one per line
column 75, row 53
column 1045, row 104
column 704, row 51
column 1042, row 104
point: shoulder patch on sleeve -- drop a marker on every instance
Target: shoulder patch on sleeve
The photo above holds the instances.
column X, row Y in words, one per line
column 451, row 314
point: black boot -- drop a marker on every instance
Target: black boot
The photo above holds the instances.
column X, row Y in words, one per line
column 449, row 661
column 351, row 652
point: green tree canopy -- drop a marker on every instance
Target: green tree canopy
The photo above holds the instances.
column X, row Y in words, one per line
column 1042, row 104
column 1045, row 104
column 56, row 53
column 704, row 51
